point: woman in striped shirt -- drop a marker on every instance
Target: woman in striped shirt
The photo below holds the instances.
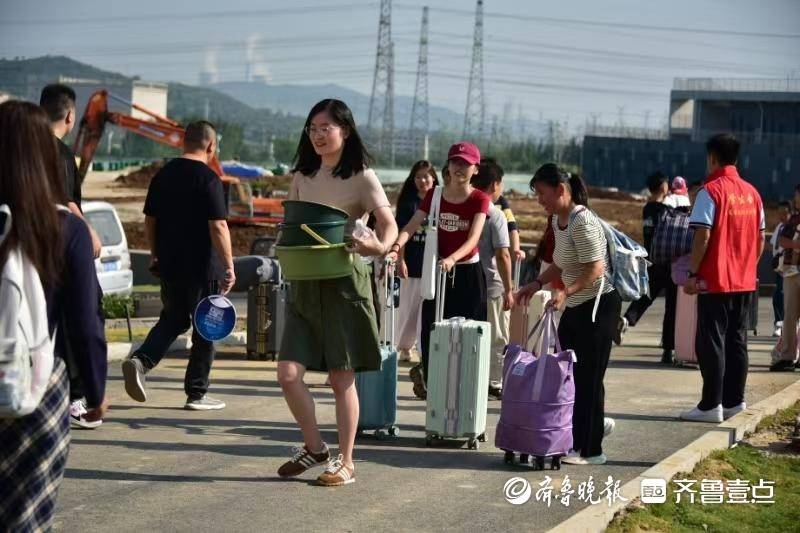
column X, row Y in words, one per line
column 581, row 261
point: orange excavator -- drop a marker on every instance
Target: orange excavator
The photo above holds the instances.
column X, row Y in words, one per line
column 243, row 208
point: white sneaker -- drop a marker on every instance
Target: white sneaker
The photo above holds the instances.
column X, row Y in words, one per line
column 596, row 460
column 728, row 412
column 76, row 419
column 696, row 415
column 777, row 331
column 608, row 426
column 206, row 403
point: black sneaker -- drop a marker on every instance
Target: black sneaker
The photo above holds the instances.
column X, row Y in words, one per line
column 496, row 392
column 133, row 371
column 417, row 378
column 668, row 357
column 782, row 366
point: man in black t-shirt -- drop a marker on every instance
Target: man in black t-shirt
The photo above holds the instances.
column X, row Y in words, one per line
column 660, row 275
column 58, row 101
column 185, row 215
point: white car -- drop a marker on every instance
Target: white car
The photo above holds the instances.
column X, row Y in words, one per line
column 114, row 264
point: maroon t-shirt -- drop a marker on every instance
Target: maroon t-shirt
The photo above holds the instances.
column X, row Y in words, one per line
column 455, row 221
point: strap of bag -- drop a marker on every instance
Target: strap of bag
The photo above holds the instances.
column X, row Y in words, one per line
column 436, row 205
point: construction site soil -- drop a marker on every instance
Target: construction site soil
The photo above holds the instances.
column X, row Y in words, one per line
column 621, row 209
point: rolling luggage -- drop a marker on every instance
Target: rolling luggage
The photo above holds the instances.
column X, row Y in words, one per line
column 266, row 317
column 685, row 328
column 458, row 380
column 538, row 400
column 377, row 390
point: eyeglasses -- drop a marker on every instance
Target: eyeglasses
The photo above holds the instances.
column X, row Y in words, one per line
column 323, row 131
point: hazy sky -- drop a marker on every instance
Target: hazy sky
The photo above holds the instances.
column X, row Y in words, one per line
column 569, row 60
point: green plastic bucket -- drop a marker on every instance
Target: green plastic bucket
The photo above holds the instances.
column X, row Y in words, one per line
column 299, row 212
column 314, row 262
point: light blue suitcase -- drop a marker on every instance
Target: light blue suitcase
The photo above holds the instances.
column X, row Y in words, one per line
column 458, row 377
column 377, row 391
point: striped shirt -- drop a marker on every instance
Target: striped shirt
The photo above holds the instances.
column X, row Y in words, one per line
column 582, row 241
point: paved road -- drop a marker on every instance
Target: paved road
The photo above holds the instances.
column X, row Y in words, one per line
column 157, row 467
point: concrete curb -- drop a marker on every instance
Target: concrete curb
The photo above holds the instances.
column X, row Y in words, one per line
column 117, row 351
column 596, row 518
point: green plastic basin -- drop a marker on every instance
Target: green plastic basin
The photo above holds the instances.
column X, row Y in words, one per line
column 294, row 235
column 314, row 262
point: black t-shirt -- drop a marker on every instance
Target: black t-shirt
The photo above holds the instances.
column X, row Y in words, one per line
column 182, row 197
column 650, row 214
column 415, row 247
column 72, row 185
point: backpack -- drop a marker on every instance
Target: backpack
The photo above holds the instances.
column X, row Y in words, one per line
column 628, row 265
column 26, row 347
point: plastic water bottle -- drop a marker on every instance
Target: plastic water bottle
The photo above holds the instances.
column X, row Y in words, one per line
column 361, row 231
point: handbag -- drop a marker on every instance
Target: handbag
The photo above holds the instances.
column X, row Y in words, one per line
column 430, row 255
column 672, row 237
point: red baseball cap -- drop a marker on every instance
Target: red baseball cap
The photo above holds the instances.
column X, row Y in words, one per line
column 466, row 151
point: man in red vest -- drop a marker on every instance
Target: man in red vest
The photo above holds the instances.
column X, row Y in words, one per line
column 728, row 222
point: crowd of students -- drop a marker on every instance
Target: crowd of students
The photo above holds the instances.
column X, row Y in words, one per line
column 331, row 325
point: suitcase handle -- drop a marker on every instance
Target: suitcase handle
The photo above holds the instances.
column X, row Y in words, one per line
column 517, row 271
column 389, row 311
column 441, row 281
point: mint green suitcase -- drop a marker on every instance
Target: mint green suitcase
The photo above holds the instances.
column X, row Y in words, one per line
column 458, row 378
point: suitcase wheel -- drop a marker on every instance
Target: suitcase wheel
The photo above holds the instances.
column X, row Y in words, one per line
column 380, row 434
column 472, row 444
column 556, row 463
column 428, row 441
column 482, row 437
column 508, row 458
column 524, row 458
column 538, row 463
column 394, row 431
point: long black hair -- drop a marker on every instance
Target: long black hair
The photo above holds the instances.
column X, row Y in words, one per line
column 355, row 156
column 409, row 189
column 551, row 175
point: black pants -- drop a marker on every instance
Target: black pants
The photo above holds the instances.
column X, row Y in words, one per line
column 179, row 299
column 660, row 280
column 465, row 295
column 591, row 342
column 721, row 347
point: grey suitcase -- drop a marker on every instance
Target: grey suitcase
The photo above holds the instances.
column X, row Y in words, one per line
column 458, row 381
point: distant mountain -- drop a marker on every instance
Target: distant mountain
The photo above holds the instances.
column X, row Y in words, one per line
column 298, row 100
column 24, row 78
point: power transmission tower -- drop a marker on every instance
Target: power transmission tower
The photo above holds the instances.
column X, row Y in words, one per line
column 381, row 104
column 419, row 109
column 475, row 114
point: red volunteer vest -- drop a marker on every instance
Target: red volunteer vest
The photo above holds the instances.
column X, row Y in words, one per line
column 731, row 259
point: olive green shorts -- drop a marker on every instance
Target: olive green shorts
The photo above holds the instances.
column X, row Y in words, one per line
column 331, row 325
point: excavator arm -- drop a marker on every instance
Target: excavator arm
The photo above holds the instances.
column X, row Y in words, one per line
column 242, row 207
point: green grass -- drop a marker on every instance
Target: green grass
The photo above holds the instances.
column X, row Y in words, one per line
column 742, row 462
column 146, row 288
column 121, row 334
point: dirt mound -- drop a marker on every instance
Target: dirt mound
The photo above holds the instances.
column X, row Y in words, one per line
column 140, row 179
column 241, row 236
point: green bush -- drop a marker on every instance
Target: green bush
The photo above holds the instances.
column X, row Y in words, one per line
column 114, row 305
